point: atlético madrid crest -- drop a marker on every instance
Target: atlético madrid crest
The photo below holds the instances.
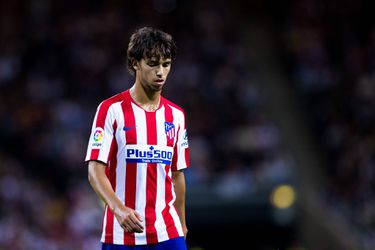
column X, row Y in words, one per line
column 169, row 130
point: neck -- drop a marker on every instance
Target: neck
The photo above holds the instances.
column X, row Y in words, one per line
column 147, row 99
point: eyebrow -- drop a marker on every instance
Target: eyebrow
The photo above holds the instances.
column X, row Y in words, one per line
column 155, row 60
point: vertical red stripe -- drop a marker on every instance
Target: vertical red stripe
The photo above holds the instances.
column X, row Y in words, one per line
column 174, row 159
column 111, row 174
column 112, row 159
column 168, row 219
column 108, row 238
column 175, row 153
column 151, row 181
column 187, row 160
column 131, row 168
column 168, row 118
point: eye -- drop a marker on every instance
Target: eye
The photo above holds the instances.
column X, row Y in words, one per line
column 152, row 64
column 166, row 64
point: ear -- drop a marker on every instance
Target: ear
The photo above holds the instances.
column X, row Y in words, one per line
column 135, row 64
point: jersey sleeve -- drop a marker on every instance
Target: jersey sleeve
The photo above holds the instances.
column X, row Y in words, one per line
column 181, row 148
column 102, row 134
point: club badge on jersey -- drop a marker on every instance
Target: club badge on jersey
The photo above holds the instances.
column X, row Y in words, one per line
column 170, row 130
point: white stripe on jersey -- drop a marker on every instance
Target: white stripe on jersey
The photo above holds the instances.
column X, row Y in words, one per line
column 104, row 224
column 107, row 140
column 181, row 161
column 118, row 232
column 160, row 193
column 140, row 201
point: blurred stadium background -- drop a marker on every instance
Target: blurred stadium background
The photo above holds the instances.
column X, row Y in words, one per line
column 280, row 102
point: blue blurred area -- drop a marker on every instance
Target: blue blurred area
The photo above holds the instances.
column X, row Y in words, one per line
column 59, row 59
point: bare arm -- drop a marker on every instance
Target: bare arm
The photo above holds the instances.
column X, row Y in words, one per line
column 178, row 179
column 129, row 219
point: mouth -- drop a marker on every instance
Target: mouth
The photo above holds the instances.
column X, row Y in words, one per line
column 159, row 81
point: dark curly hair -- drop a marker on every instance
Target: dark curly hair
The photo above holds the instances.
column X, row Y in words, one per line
column 148, row 42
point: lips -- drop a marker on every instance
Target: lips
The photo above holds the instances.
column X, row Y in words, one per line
column 159, row 81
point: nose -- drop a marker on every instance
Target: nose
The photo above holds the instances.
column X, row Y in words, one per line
column 159, row 71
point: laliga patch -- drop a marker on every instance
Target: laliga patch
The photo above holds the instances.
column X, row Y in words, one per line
column 97, row 138
column 184, row 142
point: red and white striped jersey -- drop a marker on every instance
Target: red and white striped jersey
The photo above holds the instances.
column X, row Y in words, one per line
column 140, row 149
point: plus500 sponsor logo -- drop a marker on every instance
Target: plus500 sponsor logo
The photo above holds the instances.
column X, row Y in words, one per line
column 151, row 155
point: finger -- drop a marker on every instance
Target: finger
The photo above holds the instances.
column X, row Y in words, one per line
column 136, row 222
column 126, row 225
column 125, row 229
column 132, row 227
column 137, row 228
column 138, row 216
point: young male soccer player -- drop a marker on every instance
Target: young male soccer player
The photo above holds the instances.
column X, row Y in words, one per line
column 137, row 150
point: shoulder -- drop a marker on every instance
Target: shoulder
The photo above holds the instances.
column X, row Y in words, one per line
column 178, row 112
column 107, row 103
column 106, row 107
column 113, row 99
column 173, row 105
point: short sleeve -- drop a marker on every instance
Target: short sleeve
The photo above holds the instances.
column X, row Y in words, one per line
column 181, row 148
column 102, row 134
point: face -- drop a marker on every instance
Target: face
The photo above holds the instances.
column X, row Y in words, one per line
column 152, row 72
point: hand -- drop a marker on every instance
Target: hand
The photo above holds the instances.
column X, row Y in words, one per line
column 185, row 230
column 129, row 219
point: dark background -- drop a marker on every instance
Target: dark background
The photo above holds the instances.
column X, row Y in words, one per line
column 277, row 94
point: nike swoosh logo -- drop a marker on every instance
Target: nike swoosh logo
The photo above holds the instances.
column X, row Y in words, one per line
column 129, row 128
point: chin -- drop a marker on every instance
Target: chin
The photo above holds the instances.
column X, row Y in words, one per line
column 157, row 87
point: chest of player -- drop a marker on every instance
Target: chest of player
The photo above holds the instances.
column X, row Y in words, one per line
column 162, row 133
column 147, row 137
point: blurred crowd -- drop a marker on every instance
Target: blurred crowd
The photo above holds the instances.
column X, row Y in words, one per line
column 330, row 52
column 60, row 59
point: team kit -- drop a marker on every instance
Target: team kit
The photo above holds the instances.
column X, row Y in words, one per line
column 140, row 149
